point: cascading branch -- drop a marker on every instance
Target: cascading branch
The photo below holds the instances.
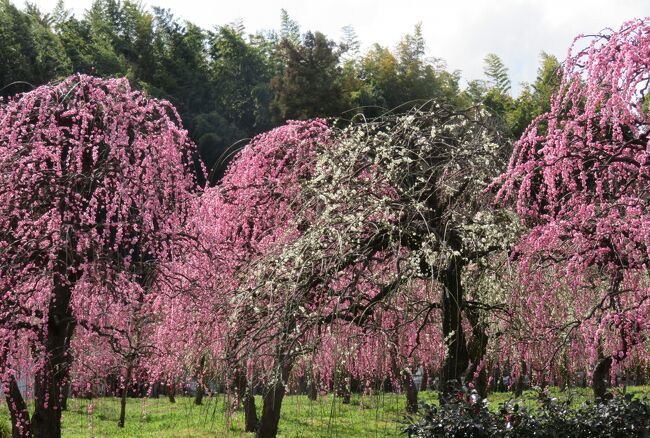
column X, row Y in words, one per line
column 95, row 184
column 212, row 325
column 580, row 176
column 391, row 205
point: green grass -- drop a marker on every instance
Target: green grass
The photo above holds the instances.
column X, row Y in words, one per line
column 381, row 415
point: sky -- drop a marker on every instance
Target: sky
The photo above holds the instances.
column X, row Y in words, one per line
column 461, row 32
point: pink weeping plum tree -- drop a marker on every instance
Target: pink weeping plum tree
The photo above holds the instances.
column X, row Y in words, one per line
column 580, row 178
column 248, row 216
column 95, row 184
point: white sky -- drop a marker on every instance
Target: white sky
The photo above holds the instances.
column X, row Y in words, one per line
column 460, row 31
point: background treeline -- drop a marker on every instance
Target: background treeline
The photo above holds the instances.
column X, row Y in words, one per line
column 229, row 85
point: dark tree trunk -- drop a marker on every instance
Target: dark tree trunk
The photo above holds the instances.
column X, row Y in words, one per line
column 601, row 378
column 457, row 359
column 272, row 404
column 20, row 424
column 411, row 392
column 519, row 384
column 250, row 411
column 125, row 392
column 246, row 396
column 200, row 392
column 347, row 397
column 343, row 386
column 51, row 380
column 66, row 393
column 171, row 393
column 312, row 387
column 476, row 348
column 406, row 381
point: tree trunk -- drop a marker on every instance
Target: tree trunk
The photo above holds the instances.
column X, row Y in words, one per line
column 20, row 424
column 519, row 384
column 476, row 348
column 66, row 393
column 312, row 388
column 200, row 392
column 411, row 392
column 343, row 386
column 601, row 378
column 125, row 392
column 51, row 380
column 272, row 404
column 457, row 359
column 250, row 411
column 171, row 393
column 246, row 396
column 312, row 384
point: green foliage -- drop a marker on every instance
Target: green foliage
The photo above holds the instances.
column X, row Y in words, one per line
column 228, row 86
column 465, row 414
column 5, row 429
column 349, row 44
column 310, row 85
column 30, row 52
column 239, row 75
column 497, row 73
column 289, row 28
column 535, row 99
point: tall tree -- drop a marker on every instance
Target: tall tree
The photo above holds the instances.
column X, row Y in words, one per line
column 240, row 74
column 497, row 73
column 535, row 99
column 349, row 44
column 95, row 186
column 579, row 175
column 310, row 85
column 289, row 28
column 30, row 52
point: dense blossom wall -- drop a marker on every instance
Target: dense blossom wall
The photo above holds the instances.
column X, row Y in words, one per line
column 579, row 176
column 96, row 181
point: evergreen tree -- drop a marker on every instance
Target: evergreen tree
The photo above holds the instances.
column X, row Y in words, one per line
column 30, row 52
column 497, row 73
column 310, row 86
column 349, row 44
column 289, row 28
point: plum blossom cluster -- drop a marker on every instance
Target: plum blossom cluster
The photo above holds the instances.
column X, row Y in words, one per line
column 579, row 177
column 95, row 185
column 327, row 254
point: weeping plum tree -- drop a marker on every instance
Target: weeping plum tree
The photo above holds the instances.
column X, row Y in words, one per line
column 95, row 183
column 317, row 230
column 119, row 348
column 388, row 202
column 580, row 176
column 243, row 219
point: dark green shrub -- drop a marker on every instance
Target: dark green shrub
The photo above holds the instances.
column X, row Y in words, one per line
column 466, row 415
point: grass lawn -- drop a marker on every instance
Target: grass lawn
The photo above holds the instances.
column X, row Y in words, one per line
column 381, row 415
